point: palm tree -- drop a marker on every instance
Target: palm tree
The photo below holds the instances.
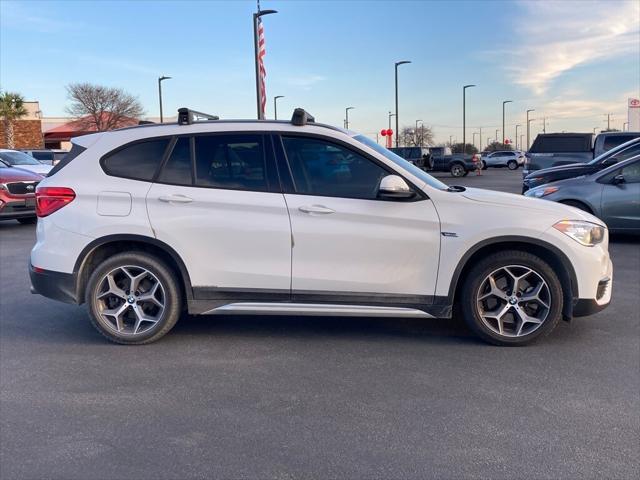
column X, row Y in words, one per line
column 11, row 109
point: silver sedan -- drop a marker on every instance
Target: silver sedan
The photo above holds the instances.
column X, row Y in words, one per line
column 612, row 194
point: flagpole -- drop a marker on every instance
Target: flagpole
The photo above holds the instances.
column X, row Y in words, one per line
column 256, row 19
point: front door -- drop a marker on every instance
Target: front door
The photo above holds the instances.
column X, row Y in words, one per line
column 621, row 202
column 350, row 246
column 216, row 203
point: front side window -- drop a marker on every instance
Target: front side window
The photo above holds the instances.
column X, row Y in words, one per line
column 612, row 141
column 138, row 161
column 326, row 169
column 631, row 172
column 234, row 161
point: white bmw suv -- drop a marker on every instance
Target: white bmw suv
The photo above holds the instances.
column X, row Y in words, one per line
column 275, row 217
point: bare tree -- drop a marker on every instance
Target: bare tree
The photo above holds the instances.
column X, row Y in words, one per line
column 11, row 109
column 102, row 108
column 422, row 137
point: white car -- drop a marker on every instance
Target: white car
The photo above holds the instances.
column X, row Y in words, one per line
column 505, row 158
column 273, row 217
column 25, row 161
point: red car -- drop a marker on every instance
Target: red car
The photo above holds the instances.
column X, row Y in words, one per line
column 18, row 193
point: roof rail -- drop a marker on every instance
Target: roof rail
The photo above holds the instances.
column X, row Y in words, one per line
column 187, row 117
column 301, row 117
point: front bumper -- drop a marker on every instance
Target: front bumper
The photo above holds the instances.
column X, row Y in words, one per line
column 11, row 209
column 56, row 285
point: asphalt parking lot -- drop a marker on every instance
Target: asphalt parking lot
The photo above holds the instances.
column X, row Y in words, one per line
column 275, row 397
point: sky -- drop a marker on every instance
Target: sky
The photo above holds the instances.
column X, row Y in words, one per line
column 573, row 62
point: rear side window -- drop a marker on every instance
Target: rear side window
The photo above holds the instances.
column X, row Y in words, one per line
column 234, row 162
column 177, row 170
column 138, row 161
column 75, row 151
column 561, row 144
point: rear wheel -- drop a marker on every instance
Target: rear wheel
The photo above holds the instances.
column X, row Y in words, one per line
column 28, row 220
column 512, row 165
column 133, row 298
column 511, row 298
column 484, row 165
column 457, row 170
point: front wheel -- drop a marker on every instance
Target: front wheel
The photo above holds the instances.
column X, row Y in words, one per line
column 511, row 298
column 133, row 298
column 512, row 165
column 457, row 170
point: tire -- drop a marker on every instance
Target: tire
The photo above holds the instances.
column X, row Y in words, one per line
column 477, row 299
column 457, row 170
column 138, row 316
column 484, row 165
column 512, row 165
column 28, row 220
column 578, row 205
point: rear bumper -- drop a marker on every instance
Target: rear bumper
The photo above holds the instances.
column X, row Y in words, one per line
column 56, row 285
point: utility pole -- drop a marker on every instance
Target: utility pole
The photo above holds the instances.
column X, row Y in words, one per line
column 544, row 124
column 504, row 134
column 609, row 121
column 517, row 137
column 464, row 117
column 528, row 139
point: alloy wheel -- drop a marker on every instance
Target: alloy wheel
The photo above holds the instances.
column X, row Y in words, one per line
column 457, row 171
column 513, row 301
column 130, row 300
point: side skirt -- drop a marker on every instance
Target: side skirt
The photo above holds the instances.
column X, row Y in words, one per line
column 310, row 309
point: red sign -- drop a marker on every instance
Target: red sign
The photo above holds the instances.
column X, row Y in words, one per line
column 383, row 132
column 634, row 103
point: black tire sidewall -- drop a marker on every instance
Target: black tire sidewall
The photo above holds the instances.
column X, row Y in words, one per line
column 456, row 168
column 511, row 163
column 483, row 268
column 173, row 297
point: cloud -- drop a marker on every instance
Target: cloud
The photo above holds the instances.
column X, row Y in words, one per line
column 305, row 82
column 16, row 16
column 560, row 36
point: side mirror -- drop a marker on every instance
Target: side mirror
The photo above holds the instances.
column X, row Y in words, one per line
column 618, row 179
column 609, row 161
column 393, row 186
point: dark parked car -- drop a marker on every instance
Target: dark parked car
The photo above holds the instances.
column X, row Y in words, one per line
column 438, row 159
column 553, row 174
column 556, row 149
column 17, row 193
column 612, row 194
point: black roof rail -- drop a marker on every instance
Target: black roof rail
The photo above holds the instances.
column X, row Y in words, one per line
column 187, row 117
column 301, row 117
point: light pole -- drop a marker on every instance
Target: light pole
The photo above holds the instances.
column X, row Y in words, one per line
column 275, row 105
column 529, row 120
column 346, row 117
column 450, row 140
column 594, row 130
column 464, row 117
column 497, row 135
column 256, row 18
column 416, row 132
column 480, row 142
column 402, row 62
column 503, row 131
column 391, row 115
column 528, row 140
column 625, row 127
column 160, row 79
column 474, row 138
column 517, row 137
column 521, row 138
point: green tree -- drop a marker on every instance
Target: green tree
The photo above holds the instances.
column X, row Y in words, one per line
column 11, row 109
column 497, row 146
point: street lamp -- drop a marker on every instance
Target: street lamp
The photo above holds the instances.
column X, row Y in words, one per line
column 517, row 137
column 402, row 62
column 391, row 115
column 528, row 141
column 160, row 79
column 416, row 131
column 625, row 126
column 497, row 135
column 256, row 17
column 503, row 132
column 474, row 138
column 346, row 119
column 275, row 105
column 464, row 117
column 450, row 140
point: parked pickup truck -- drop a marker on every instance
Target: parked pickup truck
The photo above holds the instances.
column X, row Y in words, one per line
column 437, row 159
column 556, row 149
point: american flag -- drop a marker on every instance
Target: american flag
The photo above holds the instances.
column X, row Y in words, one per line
column 263, row 73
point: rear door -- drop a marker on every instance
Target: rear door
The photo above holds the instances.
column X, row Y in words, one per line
column 350, row 246
column 621, row 202
column 217, row 202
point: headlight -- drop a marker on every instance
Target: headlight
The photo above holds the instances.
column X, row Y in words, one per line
column 586, row 233
column 543, row 192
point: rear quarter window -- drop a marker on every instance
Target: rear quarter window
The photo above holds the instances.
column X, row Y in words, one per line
column 75, row 151
column 137, row 161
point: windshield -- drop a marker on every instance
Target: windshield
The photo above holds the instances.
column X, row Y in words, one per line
column 401, row 162
column 18, row 158
column 633, row 146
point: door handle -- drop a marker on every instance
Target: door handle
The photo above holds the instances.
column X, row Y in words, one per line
column 175, row 199
column 316, row 209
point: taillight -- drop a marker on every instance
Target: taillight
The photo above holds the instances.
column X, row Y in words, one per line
column 51, row 199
